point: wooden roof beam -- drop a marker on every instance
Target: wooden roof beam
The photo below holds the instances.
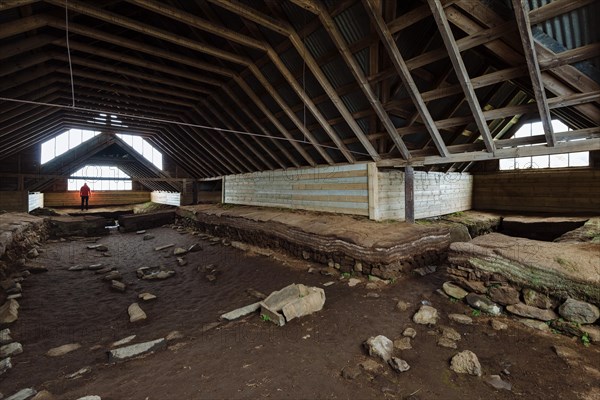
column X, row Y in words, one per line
column 555, row 8
column 207, row 26
column 8, row 4
column 230, row 114
column 400, row 65
column 23, row 25
column 521, row 15
column 25, row 45
column 560, row 148
column 241, row 137
column 570, row 77
column 194, row 45
column 359, row 76
column 276, row 141
column 263, row 108
column 461, row 72
column 101, row 36
column 224, row 142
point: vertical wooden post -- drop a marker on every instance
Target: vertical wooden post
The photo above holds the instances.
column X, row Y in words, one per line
column 373, row 186
column 223, row 190
column 409, row 194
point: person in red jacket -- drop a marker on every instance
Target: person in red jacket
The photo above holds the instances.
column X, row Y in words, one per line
column 85, row 192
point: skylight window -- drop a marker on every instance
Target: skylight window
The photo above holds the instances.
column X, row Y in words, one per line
column 65, row 142
column 580, row 159
column 100, row 178
column 102, row 119
column 143, row 147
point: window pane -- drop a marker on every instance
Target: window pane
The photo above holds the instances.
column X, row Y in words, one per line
column 137, row 144
column 524, row 131
column 62, row 144
column 523, row 162
column 74, row 138
column 579, row 159
column 559, row 160
column 537, row 129
column 507, row 163
column 558, row 126
column 48, row 151
column 540, row 162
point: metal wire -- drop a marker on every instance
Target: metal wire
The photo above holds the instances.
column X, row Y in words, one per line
column 170, row 122
column 69, row 51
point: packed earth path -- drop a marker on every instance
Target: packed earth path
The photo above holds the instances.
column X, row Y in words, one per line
column 321, row 355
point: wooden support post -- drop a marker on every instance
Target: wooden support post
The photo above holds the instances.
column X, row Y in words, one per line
column 409, row 194
column 373, row 186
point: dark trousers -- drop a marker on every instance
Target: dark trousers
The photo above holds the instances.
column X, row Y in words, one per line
column 84, row 199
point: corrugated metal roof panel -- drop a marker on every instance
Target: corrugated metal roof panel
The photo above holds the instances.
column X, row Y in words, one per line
column 318, row 43
column 353, row 23
column 571, row 30
column 337, row 73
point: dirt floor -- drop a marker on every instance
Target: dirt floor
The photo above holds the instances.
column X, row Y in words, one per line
column 251, row 359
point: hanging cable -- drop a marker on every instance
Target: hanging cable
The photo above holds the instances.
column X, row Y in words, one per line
column 169, row 122
column 304, row 81
column 69, row 51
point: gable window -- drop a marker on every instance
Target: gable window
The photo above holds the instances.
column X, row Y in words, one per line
column 100, row 178
column 143, row 147
column 64, row 142
column 580, row 159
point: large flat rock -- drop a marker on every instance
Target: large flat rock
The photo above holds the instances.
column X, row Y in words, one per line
column 560, row 269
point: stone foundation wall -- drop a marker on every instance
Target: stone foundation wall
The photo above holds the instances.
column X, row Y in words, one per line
column 19, row 234
column 386, row 263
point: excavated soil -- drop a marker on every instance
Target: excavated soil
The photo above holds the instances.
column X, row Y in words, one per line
column 251, row 359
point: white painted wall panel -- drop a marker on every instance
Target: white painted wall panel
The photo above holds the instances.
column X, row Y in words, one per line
column 340, row 188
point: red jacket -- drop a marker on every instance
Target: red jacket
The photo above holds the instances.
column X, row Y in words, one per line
column 85, row 191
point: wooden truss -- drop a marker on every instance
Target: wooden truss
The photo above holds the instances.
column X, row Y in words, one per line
column 263, row 74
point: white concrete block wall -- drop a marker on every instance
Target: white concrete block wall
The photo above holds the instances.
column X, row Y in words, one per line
column 36, row 200
column 340, row 188
column 170, row 198
column 436, row 194
column 391, row 195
